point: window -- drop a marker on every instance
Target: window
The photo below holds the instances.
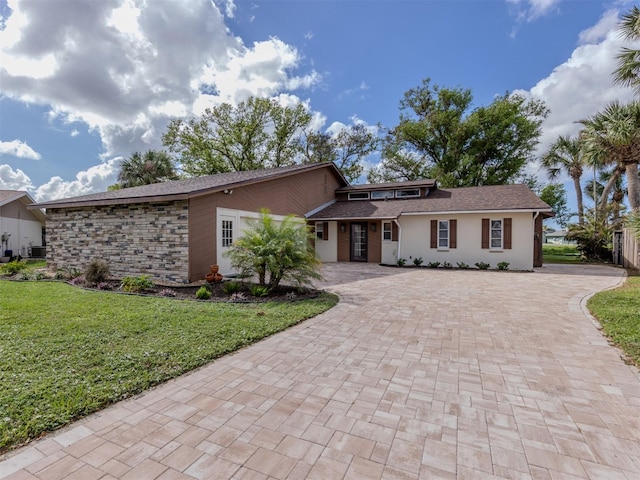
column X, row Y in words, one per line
column 322, row 230
column 381, row 194
column 386, row 231
column 443, row 234
column 227, row 233
column 359, row 196
column 496, row 234
column 414, row 192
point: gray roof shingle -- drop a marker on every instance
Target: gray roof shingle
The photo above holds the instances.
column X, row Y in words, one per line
column 445, row 200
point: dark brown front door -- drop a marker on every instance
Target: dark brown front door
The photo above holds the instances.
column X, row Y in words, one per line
column 359, row 242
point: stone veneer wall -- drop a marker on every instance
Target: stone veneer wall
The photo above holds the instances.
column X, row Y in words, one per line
column 137, row 239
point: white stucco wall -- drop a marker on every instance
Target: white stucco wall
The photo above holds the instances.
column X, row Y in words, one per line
column 389, row 252
column 24, row 233
column 415, row 236
column 327, row 250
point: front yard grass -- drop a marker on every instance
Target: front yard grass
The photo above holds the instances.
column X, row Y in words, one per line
column 619, row 313
column 552, row 253
column 67, row 352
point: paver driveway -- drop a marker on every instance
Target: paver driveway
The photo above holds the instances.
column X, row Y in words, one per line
column 415, row 374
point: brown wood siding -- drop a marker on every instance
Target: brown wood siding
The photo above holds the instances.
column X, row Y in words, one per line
column 507, row 222
column 453, row 233
column 485, row 233
column 434, row 234
column 537, row 242
column 343, row 242
column 374, row 250
column 294, row 194
column 17, row 210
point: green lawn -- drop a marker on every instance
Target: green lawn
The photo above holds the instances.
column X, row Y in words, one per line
column 560, row 254
column 67, row 352
column 619, row 313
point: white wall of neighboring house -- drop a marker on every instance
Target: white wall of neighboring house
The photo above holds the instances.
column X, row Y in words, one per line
column 24, row 228
column 327, row 250
column 416, row 234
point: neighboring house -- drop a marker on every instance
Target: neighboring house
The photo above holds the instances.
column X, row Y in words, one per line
column 382, row 223
column 559, row 237
column 22, row 228
column 176, row 230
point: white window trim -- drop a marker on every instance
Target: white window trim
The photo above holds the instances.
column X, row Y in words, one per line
column 381, row 194
column 491, row 247
column 359, row 193
column 444, row 247
column 390, row 239
column 408, row 190
column 320, row 228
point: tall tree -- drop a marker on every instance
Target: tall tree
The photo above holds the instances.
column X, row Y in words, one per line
column 258, row 133
column 145, row 169
column 565, row 155
column 612, row 137
column 440, row 136
column 628, row 71
column 555, row 195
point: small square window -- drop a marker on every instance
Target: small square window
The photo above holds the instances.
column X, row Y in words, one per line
column 386, row 231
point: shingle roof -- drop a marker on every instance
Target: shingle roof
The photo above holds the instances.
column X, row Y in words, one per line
column 183, row 189
column 8, row 196
column 445, row 200
column 383, row 186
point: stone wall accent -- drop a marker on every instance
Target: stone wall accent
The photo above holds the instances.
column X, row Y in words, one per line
column 137, row 239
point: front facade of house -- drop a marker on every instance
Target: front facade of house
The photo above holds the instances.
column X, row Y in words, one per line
column 174, row 231
column 415, row 220
column 22, row 229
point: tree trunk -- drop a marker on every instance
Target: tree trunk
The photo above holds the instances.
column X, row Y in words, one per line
column 633, row 186
column 602, row 203
column 576, row 185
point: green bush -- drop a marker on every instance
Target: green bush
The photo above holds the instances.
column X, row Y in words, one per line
column 401, row 262
column 13, row 267
column 433, row 264
column 259, row 290
column 447, row 265
column 462, row 265
column 137, row 284
column 97, row 272
column 231, row 287
column 203, row 293
column 417, row 261
column 482, row 265
column 503, row 266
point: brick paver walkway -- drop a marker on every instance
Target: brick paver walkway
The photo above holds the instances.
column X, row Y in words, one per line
column 415, row 374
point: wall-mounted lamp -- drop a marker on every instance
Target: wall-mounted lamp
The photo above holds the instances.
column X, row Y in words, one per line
column 226, row 191
column 343, row 227
column 373, row 227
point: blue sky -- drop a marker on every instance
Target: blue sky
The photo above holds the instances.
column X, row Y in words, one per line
column 85, row 83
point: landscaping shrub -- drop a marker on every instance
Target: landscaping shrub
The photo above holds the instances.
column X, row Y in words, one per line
column 167, row 292
column 137, row 284
column 259, row 290
column 503, row 266
column 482, row 265
column 231, row 287
column 203, row 293
column 401, row 262
column 433, row 264
column 463, row 265
column 417, row 261
column 97, row 272
column 447, row 265
column 13, row 267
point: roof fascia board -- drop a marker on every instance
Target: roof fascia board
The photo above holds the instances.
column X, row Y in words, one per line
column 321, row 207
column 460, row 212
column 117, row 201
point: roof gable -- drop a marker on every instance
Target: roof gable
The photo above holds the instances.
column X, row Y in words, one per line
column 188, row 188
column 9, row 196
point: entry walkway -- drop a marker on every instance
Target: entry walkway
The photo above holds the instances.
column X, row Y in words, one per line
column 415, row 374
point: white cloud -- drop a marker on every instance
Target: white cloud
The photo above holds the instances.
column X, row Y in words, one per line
column 125, row 67
column 95, row 179
column 11, row 179
column 20, row 149
column 532, row 9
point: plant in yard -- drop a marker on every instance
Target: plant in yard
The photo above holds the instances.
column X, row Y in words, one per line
column 137, row 284
column 433, row 264
column 37, row 276
column 593, row 237
column 167, row 292
column 96, row 272
column 401, row 262
column 447, row 265
column 22, row 277
column 78, row 281
column 104, row 286
column 277, row 250
column 503, row 266
column 462, row 265
column 231, row 287
column 67, row 273
column 417, row 261
column 13, row 267
column 238, row 297
column 291, row 296
column 482, row 265
column 203, row 293
column 259, row 290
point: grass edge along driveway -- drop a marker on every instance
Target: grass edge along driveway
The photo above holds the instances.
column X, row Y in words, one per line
column 67, row 352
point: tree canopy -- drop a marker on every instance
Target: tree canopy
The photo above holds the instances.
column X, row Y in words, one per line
column 144, row 169
column 440, row 135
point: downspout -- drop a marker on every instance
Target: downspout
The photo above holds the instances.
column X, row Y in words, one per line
column 395, row 220
column 535, row 216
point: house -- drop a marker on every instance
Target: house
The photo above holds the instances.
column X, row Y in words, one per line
column 558, row 237
column 175, row 230
column 382, row 223
column 21, row 230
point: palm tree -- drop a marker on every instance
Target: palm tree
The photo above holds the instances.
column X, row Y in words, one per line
column 628, row 71
column 594, row 189
column 566, row 155
column 612, row 137
column 151, row 167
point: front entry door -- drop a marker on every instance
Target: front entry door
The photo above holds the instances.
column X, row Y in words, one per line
column 358, row 242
